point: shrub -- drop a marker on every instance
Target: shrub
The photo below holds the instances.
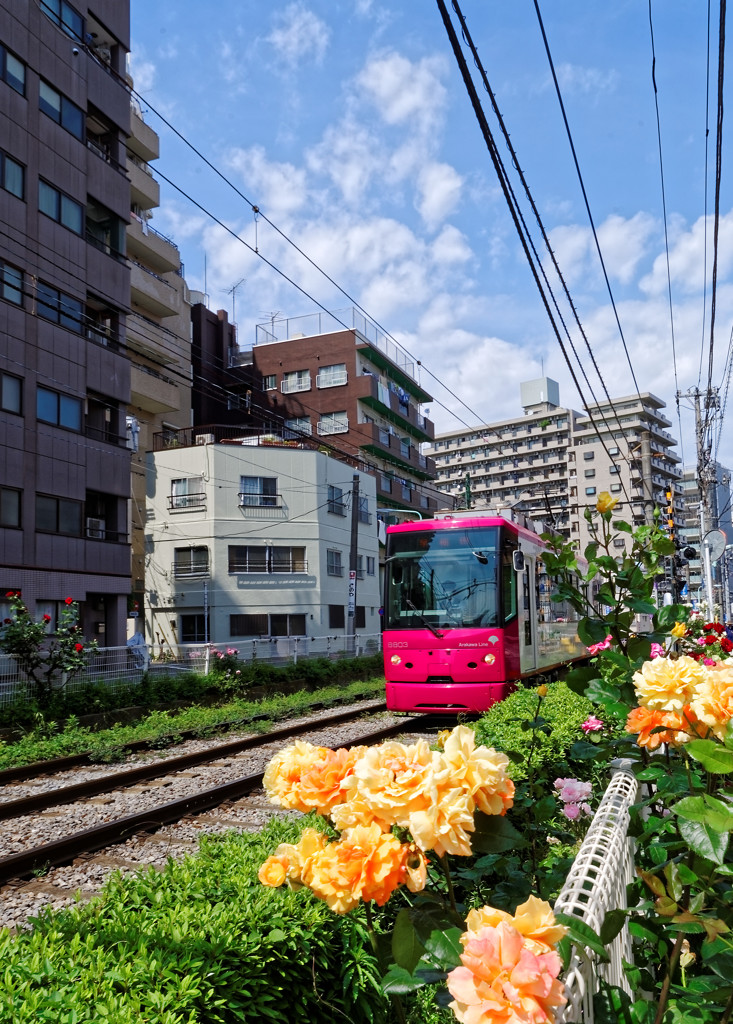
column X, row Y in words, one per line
column 201, row 941
column 563, row 712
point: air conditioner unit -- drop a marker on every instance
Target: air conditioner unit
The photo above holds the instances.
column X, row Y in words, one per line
column 96, row 529
column 204, row 439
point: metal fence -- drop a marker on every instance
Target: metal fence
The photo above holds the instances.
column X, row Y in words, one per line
column 597, row 883
column 118, row 667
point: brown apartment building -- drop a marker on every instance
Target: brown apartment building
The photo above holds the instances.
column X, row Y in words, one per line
column 334, row 377
column 64, row 296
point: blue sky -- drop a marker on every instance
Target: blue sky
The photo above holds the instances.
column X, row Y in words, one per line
column 347, row 123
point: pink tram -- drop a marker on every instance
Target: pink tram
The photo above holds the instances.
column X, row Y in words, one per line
column 467, row 613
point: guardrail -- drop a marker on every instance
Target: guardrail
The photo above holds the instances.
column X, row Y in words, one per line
column 596, row 884
column 117, row 667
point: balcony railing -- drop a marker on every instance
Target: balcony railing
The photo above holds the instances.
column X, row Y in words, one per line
column 286, row 566
column 337, row 508
column 326, row 427
column 331, row 380
column 288, row 387
column 259, row 500
column 185, row 502
column 191, row 570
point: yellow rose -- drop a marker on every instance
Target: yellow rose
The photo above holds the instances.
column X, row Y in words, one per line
column 366, row 864
column 679, row 629
column 480, row 771
column 445, row 823
column 713, row 698
column 542, row 690
column 666, row 685
column 282, row 775
column 387, row 784
column 605, row 502
column 274, row 871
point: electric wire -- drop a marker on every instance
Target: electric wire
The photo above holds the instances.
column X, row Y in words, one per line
column 705, row 200
column 585, row 195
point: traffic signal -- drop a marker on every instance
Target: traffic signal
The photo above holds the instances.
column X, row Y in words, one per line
column 670, row 515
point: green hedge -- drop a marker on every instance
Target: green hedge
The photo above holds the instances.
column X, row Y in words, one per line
column 201, row 942
column 563, row 711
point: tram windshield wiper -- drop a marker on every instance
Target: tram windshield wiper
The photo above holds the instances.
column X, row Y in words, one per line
column 422, row 618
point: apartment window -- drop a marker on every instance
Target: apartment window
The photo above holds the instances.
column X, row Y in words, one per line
column 53, row 305
column 364, row 513
column 187, row 492
column 194, row 629
column 58, row 515
column 590, row 490
column 296, row 380
column 336, row 501
column 385, row 482
column 12, row 70
column 258, row 491
column 60, row 410
column 269, row 382
column 589, row 473
column 65, row 16
column 190, row 561
column 333, row 423
column 370, row 565
column 266, row 559
column 589, row 456
column 331, row 376
column 12, row 176
column 301, row 423
column 613, row 451
column 336, row 616
column 615, row 488
column 614, row 469
column 105, row 230
column 9, row 507
column 11, row 395
column 360, row 567
column 360, row 617
column 333, row 563
column 61, row 110
column 11, row 283
column 60, row 207
column 279, row 624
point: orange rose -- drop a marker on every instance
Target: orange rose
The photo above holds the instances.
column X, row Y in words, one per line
column 282, row 775
column 533, row 919
column 673, row 728
column 713, row 698
column 365, row 864
column 319, row 786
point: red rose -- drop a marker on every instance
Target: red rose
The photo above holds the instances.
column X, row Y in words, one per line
column 68, row 600
column 78, row 647
column 46, row 618
column 7, row 621
column 726, row 645
column 719, row 627
column 711, row 639
column 10, row 593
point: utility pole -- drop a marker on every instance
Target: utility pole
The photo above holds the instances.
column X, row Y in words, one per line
column 353, row 561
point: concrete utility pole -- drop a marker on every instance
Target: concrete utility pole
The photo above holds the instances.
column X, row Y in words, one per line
column 353, row 561
column 646, row 475
column 704, row 479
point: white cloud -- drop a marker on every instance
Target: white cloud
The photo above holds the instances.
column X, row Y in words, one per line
column 405, row 91
column 143, row 71
column 438, row 193
column 451, row 246
column 687, row 257
column 299, row 35
column 587, row 81
column 351, row 156
column 623, row 241
column 278, row 188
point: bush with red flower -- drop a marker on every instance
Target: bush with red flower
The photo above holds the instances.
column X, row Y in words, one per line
column 46, row 659
column 705, row 641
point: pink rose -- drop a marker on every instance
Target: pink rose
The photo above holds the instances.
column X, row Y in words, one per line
column 657, row 651
column 592, row 724
column 602, row 646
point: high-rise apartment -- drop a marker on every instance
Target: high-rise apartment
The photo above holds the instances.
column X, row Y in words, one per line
column 64, row 295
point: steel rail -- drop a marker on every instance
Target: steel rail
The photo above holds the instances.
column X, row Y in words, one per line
column 130, row 777
column 62, row 851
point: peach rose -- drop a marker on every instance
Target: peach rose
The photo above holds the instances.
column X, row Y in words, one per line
column 533, row 919
column 389, row 782
column 446, row 821
column 501, row 981
column 667, row 685
column 274, row 871
column 366, row 864
column 282, row 775
column 319, row 786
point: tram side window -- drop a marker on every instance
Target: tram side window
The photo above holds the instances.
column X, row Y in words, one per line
column 508, row 583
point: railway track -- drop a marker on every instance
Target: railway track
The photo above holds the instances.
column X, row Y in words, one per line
column 143, row 816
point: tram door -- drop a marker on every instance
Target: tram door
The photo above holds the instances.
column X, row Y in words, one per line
column 528, row 632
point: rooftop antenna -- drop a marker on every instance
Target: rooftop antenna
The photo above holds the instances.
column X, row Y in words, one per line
column 233, row 292
column 272, row 317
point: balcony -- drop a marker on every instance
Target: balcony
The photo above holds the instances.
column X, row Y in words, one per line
column 289, row 387
column 378, row 396
column 150, row 247
column 331, row 380
column 388, row 446
column 150, row 292
column 186, row 502
column 190, row 570
column 144, row 189
column 152, row 391
column 143, row 141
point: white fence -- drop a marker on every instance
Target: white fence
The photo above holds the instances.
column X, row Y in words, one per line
column 118, row 667
column 597, row 883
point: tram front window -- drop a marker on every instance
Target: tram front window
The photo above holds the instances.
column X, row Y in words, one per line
column 442, row 579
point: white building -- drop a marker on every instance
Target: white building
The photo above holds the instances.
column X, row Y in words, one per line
column 250, row 538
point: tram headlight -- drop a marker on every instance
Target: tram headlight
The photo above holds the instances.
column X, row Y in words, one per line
column 396, row 659
column 489, row 659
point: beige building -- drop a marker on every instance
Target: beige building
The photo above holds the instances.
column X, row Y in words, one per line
column 553, row 462
column 158, row 331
